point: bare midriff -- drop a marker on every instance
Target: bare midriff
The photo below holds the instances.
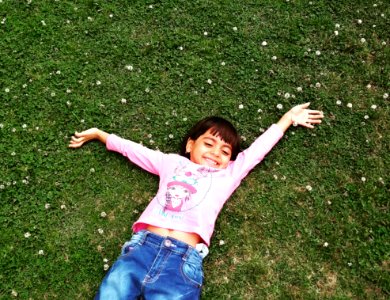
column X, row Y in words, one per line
column 186, row 237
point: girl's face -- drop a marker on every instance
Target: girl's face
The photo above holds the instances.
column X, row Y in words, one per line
column 209, row 150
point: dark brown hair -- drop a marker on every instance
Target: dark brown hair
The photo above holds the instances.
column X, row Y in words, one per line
column 220, row 128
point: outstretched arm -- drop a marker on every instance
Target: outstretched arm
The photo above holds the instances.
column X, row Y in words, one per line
column 300, row 115
column 79, row 138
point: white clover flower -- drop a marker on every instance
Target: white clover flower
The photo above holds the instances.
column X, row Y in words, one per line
column 13, row 129
column 82, row 121
column 326, row 244
column 374, row 106
column 41, row 252
column 14, row 293
column 103, row 214
column 259, row 110
column 336, row 32
column 147, row 90
column 13, row 153
column 63, row 206
column 287, row 95
column 383, row 43
column 349, row 264
column 181, row 48
column 105, row 260
column 221, row 242
column 368, row 86
column 241, row 106
column 92, row 170
column 151, row 142
column 318, row 85
column 43, row 23
column 150, row 6
column 24, row 85
column 349, row 105
column 366, row 117
column 27, row 235
column 329, row 202
column 309, row 188
column 363, row 179
column 209, row 81
column 359, row 21
column 362, row 40
column 101, row 231
column 123, row 101
column 170, row 136
column 318, row 52
column 299, row 89
column 98, row 82
column 68, row 91
column 223, row 63
column 7, row 90
column 129, row 67
column 90, row 19
column 3, row 21
column 1, row 125
column 52, row 94
column 205, row 33
column 106, row 267
column 2, row 187
column 24, row 126
column 337, row 25
column 264, row 43
column 338, row 102
column 274, row 57
column 235, row 28
column 385, row 95
column 275, row 177
column 47, row 205
column 279, row 106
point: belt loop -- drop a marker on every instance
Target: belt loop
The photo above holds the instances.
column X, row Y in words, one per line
column 144, row 236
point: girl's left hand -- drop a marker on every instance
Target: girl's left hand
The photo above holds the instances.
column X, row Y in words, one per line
column 300, row 115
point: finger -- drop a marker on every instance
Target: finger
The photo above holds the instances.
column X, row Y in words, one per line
column 316, row 116
column 314, row 112
column 304, row 105
column 315, row 121
column 308, row 125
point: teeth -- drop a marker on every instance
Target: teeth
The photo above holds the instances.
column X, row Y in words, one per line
column 211, row 161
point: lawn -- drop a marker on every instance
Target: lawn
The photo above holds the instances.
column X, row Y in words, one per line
column 310, row 222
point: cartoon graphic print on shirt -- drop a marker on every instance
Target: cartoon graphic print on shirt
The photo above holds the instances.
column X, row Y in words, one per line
column 182, row 193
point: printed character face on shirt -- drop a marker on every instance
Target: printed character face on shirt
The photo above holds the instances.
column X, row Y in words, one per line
column 209, row 150
column 177, row 193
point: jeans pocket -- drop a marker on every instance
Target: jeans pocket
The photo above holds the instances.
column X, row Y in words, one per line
column 193, row 273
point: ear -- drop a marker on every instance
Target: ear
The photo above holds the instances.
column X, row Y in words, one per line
column 189, row 145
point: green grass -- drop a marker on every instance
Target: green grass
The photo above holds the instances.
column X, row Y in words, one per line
column 281, row 241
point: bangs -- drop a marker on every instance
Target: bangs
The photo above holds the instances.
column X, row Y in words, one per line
column 224, row 133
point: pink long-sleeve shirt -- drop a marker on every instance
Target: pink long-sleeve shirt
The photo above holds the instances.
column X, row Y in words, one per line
column 190, row 196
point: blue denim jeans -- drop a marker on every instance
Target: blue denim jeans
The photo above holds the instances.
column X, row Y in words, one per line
column 154, row 267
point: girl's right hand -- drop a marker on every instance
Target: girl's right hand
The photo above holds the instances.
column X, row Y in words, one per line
column 80, row 138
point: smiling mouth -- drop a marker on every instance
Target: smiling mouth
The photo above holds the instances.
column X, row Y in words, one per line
column 211, row 162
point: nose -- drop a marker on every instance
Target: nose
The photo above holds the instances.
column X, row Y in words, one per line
column 216, row 151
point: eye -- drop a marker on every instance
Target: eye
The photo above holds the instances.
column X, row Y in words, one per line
column 226, row 153
column 208, row 144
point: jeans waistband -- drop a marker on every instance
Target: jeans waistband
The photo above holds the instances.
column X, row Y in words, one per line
column 171, row 243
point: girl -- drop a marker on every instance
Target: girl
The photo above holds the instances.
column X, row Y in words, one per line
column 163, row 259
